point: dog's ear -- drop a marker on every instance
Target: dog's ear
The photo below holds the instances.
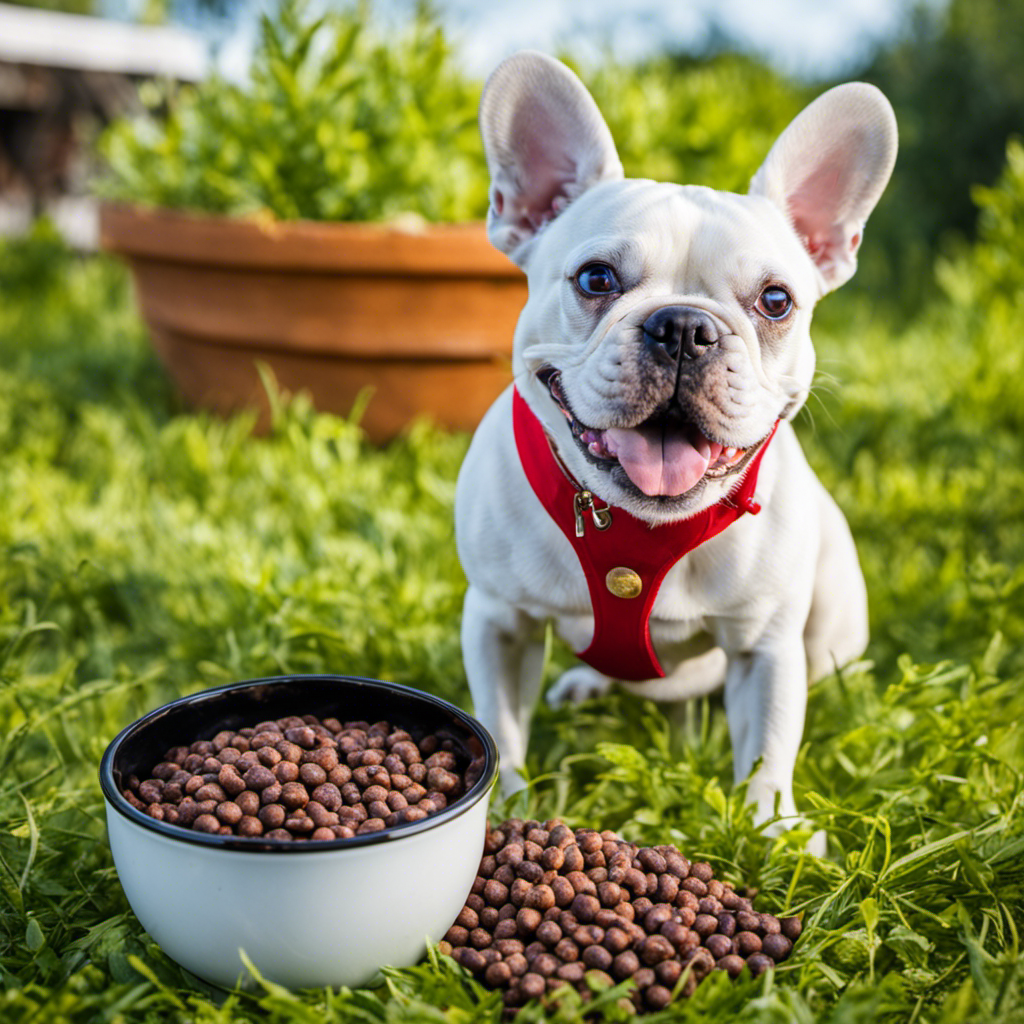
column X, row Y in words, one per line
column 826, row 172
column 545, row 142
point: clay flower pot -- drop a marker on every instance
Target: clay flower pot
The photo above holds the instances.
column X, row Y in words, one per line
column 424, row 317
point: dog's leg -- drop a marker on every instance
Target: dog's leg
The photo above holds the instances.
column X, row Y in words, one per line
column 694, row 676
column 577, row 684
column 766, row 703
column 504, row 661
column 837, row 627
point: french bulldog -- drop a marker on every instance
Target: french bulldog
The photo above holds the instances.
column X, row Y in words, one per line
column 660, row 358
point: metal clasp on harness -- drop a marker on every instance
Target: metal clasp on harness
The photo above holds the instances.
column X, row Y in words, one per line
column 583, row 501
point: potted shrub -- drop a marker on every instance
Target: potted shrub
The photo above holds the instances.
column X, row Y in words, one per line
column 322, row 220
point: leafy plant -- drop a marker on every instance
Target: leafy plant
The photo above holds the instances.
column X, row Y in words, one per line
column 344, row 119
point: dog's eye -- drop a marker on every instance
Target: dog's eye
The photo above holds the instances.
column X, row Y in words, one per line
column 597, row 279
column 774, row 303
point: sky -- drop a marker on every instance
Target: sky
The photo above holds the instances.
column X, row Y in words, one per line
column 806, row 38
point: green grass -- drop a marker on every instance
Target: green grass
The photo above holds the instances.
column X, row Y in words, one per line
column 146, row 552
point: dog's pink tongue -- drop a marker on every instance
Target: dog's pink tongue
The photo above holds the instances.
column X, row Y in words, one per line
column 659, row 462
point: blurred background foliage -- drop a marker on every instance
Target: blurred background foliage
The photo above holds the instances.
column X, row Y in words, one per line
column 347, row 118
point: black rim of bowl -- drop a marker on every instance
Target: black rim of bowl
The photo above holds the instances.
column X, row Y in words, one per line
column 192, row 707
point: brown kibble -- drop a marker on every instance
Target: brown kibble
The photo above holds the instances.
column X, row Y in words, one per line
column 532, row 985
column 585, row 907
column 597, row 957
column 718, row 945
column 566, row 950
column 211, row 791
column 668, row 888
column 657, row 997
column 258, row 778
column 302, row 736
column 509, row 946
column 272, row 816
column 702, row 870
column 747, row 943
column 695, row 886
column 269, row 756
column 285, row 772
column 625, row 965
column 572, row 859
column 294, row 795
column 651, row 861
column 563, row 890
column 497, row 975
column 656, row 917
column 206, row 823
column 495, row 893
column 758, row 963
column 325, row 757
column 530, row 870
column 230, row 781
column 249, row 826
column 228, row 813
column 731, row 963
column 616, row 940
column 527, row 920
column 151, row 791
column 675, row 931
column 540, row 897
column 791, row 927
column 312, row 775
column 748, row 921
column 545, row 965
column 552, row 858
column 654, row 949
column 571, row 972
column 668, row 972
column 470, row 958
column 777, row 946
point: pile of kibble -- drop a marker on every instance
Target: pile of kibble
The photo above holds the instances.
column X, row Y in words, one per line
column 298, row 778
column 551, row 906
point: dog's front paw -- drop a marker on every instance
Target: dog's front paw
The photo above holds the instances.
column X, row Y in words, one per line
column 577, row 685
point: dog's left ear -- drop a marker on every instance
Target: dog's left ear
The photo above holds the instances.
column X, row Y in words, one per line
column 546, row 143
column 826, row 172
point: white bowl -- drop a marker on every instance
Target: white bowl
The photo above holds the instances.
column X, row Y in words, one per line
column 306, row 914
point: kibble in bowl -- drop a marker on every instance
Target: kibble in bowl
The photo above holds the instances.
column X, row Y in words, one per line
column 326, row 825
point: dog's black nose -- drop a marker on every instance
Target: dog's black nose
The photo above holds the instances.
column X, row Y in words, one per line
column 679, row 332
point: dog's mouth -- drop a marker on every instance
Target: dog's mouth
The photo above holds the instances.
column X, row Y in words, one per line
column 665, row 456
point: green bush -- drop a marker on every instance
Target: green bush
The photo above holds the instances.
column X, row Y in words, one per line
column 343, row 120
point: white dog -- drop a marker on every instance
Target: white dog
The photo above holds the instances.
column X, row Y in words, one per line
column 661, row 355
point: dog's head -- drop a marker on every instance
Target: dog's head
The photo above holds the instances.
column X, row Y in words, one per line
column 668, row 326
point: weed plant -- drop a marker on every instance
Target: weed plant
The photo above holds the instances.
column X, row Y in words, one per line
column 147, row 552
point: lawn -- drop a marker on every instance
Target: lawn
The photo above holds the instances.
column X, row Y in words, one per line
column 147, row 551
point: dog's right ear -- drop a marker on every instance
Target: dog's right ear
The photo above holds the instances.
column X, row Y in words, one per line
column 546, row 143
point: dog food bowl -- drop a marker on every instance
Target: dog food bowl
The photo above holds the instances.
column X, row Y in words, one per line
column 306, row 914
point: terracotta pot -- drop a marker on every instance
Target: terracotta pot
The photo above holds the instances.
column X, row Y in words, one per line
column 423, row 317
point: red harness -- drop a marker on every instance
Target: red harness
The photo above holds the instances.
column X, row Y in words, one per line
column 623, row 558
